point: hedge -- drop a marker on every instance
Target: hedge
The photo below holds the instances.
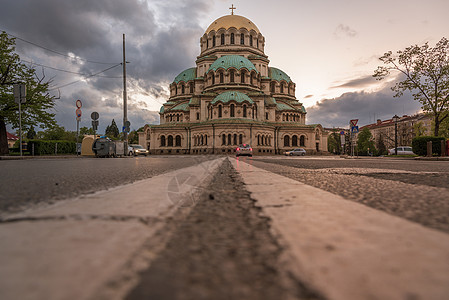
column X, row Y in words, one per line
column 49, row 147
column 419, row 144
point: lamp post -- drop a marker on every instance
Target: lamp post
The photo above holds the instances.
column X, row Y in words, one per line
column 395, row 119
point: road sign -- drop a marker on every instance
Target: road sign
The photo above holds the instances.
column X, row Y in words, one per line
column 95, row 124
column 20, row 93
column 94, row 116
column 342, row 132
column 342, row 139
column 355, row 129
column 78, row 113
column 79, row 103
column 127, row 123
column 354, row 122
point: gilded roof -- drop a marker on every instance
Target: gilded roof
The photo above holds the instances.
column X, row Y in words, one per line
column 229, row 21
column 279, row 75
column 232, row 95
column 186, row 75
column 233, row 61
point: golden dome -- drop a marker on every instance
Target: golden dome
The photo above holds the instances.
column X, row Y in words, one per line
column 229, row 21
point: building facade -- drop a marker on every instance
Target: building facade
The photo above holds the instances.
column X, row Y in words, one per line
column 232, row 96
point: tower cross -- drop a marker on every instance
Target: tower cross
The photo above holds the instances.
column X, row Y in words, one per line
column 232, row 9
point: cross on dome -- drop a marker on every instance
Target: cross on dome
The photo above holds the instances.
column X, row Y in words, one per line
column 232, row 9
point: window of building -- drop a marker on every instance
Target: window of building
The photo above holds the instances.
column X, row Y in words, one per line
column 251, row 40
column 170, row 141
column 242, row 39
column 183, row 89
column 231, row 76
column 202, row 140
column 197, row 115
column 282, row 88
column 273, row 87
column 207, row 43
column 177, row 118
column 241, row 139
column 266, row 116
column 232, row 110
column 178, row 141
column 205, row 139
column 257, row 43
column 229, row 139
column 242, row 76
column 191, row 88
column 251, row 79
column 176, row 90
column 213, row 41
column 220, row 111
column 286, row 141
column 213, row 78
column 163, row 141
column 232, row 38
column 244, row 111
column 221, row 77
column 235, row 139
column 302, row 141
column 294, row 141
column 222, row 39
column 223, row 139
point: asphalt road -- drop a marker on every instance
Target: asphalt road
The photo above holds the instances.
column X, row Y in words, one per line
column 411, row 189
column 35, row 181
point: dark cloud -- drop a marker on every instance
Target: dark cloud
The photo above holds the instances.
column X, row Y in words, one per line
column 360, row 105
column 358, row 82
column 344, row 31
column 308, row 96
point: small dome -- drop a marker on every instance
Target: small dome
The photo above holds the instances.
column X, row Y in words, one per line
column 186, row 75
column 229, row 21
column 279, row 75
column 232, row 95
column 235, row 61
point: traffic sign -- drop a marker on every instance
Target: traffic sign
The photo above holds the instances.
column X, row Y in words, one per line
column 355, row 129
column 95, row 124
column 354, row 122
column 20, row 93
column 342, row 132
column 78, row 113
column 79, row 103
column 94, row 116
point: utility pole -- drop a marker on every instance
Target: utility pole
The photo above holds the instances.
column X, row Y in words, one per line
column 125, row 105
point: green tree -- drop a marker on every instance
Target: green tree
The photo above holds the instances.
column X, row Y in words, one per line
column 426, row 74
column 444, row 126
column 86, row 131
column 38, row 103
column 57, row 133
column 365, row 143
column 31, row 134
column 380, row 146
column 419, row 129
column 112, row 130
column 333, row 143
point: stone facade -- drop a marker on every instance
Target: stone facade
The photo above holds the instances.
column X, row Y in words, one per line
column 232, row 97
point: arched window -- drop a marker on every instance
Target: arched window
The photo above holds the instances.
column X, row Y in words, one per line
column 244, row 111
column 220, row 111
column 257, row 43
column 317, row 135
column 232, row 38
column 235, row 139
column 205, row 139
column 223, row 139
column 213, row 78
column 207, row 43
column 191, row 88
column 202, row 140
column 229, row 139
column 266, row 116
column 231, row 76
column 241, row 139
column 286, row 141
column 251, row 79
column 294, row 141
column 273, row 87
column 183, row 89
column 171, row 118
column 251, row 40
column 232, row 110
column 213, row 41
column 163, row 141
column 222, row 39
column 178, row 141
column 242, row 76
column 221, row 77
column 302, row 141
column 170, row 141
column 282, row 88
column 177, row 118
column 176, row 90
column 286, row 118
column 242, row 39
column 258, row 140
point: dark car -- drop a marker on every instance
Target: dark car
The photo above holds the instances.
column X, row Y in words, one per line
column 297, row 151
column 244, row 149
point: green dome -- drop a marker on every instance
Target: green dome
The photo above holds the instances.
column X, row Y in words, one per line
column 232, row 96
column 187, row 75
column 232, row 61
column 279, row 75
column 161, row 111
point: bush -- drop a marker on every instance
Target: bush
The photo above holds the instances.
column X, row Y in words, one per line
column 48, row 147
column 419, row 144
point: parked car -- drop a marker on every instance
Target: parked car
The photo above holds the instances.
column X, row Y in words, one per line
column 402, row 150
column 139, row 150
column 244, row 149
column 296, row 152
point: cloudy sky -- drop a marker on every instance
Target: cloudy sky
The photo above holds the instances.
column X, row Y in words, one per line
column 330, row 48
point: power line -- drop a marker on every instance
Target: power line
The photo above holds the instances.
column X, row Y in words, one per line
column 86, row 77
column 56, row 52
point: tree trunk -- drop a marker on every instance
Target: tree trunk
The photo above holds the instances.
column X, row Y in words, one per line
column 3, row 138
column 437, row 125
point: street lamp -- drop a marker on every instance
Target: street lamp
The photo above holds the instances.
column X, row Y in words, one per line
column 395, row 119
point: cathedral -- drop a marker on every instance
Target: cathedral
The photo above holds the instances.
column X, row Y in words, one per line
column 232, row 96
